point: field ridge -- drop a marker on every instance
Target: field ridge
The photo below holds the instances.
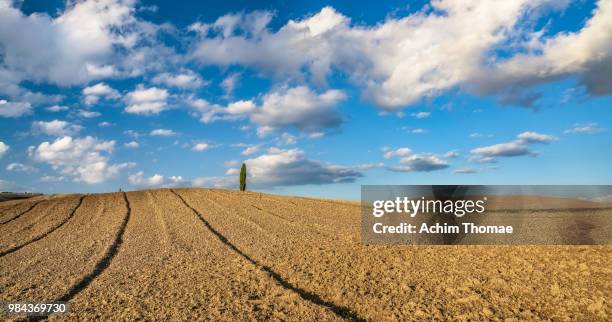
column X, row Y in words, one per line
column 21, row 213
column 304, row 294
column 46, row 233
column 106, row 259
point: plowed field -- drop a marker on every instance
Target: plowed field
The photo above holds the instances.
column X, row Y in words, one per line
column 198, row 254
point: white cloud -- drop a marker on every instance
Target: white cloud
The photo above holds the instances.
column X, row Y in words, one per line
column 100, row 71
column 131, row 145
column 57, row 108
column 396, row 62
column 451, row 154
column 230, row 83
column 147, row 101
column 533, row 137
column 201, row 147
column 586, row 52
column 94, row 93
column 510, row 149
column 88, row 114
column 588, row 128
column 231, row 163
column 56, row 128
column 316, row 135
column 3, row 149
column 301, row 108
column 420, row 162
column 215, row 182
column 421, row 115
column 291, row 167
column 84, row 159
column 264, row 131
column 185, row 79
column 156, row 180
column 162, row 132
column 518, row 147
column 104, row 124
column 138, row 179
column 287, row 139
column 132, row 133
column 423, row 162
column 401, row 152
column 297, row 107
column 14, row 109
column 20, row 167
column 232, row 172
column 214, row 112
column 71, row 48
column 401, row 60
column 250, row 150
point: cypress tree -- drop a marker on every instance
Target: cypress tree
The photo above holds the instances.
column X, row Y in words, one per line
column 243, row 175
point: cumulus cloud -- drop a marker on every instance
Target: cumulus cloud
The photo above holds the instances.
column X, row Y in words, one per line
column 250, row 150
column 131, row 144
column 214, row 112
column 533, row 137
column 147, row 101
column 518, row 147
column 422, row 162
column 162, row 132
column 588, row 128
column 84, row 159
column 71, row 48
column 451, row 154
column 57, row 108
column 185, row 79
column 215, row 182
column 298, row 107
column 411, row 162
column 20, row 167
column 510, row 149
column 56, row 128
column 278, row 167
column 156, row 180
column 396, row 62
column 586, row 53
column 94, row 93
column 14, row 109
column 400, row 152
column 201, row 147
column 286, row 139
column 301, row 108
column 3, row 149
column 88, row 114
column 229, row 84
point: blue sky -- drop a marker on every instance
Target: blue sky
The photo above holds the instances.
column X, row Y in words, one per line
column 316, row 97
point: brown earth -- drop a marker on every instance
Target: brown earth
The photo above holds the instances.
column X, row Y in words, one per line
column 198, row 254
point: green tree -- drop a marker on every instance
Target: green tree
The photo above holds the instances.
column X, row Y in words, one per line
column 243, row 175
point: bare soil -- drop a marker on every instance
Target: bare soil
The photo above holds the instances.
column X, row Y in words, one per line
column 199, row 254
